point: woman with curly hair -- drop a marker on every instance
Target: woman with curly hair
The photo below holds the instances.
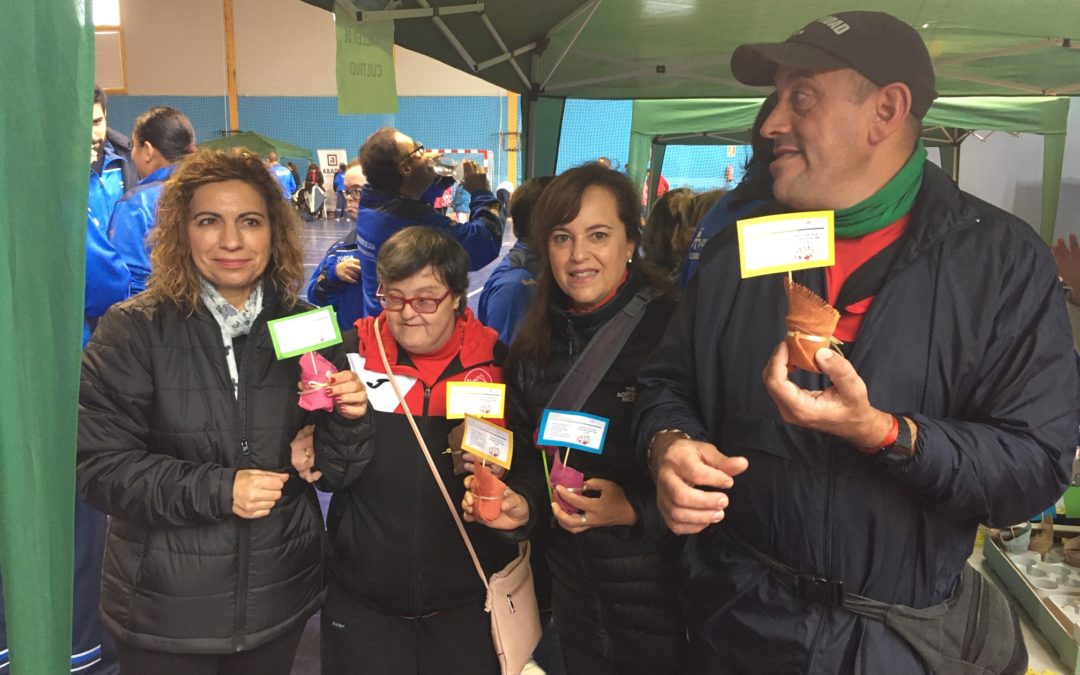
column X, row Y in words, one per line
column 214, row 555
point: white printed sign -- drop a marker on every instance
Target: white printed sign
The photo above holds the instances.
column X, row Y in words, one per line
column 785, row 243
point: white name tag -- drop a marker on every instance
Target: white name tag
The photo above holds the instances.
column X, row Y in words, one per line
column 488, row 441
column 480, row 399
column 576, row 430
column 785, row 243
column 306, row 332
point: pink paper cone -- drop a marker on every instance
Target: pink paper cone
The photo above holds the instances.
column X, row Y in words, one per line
column 314, row 372
column 567, row 477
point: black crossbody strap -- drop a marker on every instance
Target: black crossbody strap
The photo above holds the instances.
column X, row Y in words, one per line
column 600, row 353
column 868, row 279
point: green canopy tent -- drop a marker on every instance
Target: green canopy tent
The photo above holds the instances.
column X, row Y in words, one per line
column 657, row 124
column 654, row 49
column 258, row 143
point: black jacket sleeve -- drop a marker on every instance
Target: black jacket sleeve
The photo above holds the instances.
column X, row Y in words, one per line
column 118, row 470
column 343, row 447
column 1012, row 458
column 667, row 391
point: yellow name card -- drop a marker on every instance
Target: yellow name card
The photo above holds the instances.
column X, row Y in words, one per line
column 488, row 441
column 480, row 399
column 786, row 242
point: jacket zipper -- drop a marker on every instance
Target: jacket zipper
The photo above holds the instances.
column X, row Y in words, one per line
column 244, row 538
column 418, row 597
column 827, row 570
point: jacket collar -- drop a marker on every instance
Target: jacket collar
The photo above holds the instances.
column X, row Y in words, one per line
column 585, row 323
column 160, row 175
column 940, row 209
column 522, row 257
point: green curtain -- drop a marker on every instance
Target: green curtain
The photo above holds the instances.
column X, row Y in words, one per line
column 48, row 57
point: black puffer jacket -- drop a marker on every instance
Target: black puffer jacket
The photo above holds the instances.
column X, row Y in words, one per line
column 161, row 437
column 614, row 588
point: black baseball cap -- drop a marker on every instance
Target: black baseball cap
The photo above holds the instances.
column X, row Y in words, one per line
column 881, row 47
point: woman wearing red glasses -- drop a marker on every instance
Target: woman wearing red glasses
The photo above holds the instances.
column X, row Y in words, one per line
column 404, row 596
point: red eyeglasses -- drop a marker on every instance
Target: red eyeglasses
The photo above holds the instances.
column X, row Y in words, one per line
column 422, row 305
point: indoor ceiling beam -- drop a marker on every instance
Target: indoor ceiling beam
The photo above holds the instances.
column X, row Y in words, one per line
column 506, row 51
column 1007, row 51
column 573, row 41
column 1004, row 84
column 449, row 34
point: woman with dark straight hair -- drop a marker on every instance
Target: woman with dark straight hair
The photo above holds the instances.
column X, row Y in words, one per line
column 160, row 138
column 612, row 560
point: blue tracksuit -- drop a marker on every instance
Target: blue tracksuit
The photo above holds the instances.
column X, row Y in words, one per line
column 285, row 177
column 324, row 287
column 132, row 220
column 748, row 197
column 508, row 292
column 339, row 190
column 107, row 187
column 382, row 214
column 107, row 277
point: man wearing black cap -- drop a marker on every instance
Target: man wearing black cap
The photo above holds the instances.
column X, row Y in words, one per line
column 953, row 402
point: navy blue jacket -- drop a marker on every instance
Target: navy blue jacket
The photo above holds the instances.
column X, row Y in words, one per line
column 508, row 292
column 383, row 213
column 968, row 336
column 132, row 220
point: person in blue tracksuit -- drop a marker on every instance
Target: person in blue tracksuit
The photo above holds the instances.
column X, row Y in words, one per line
column 747, row 200
column 337, row 282
column 339, row 192
column 161, row 136
column 509, row 290
column 283, row 174
column 111, row 173
column 399, row 172
column 107, row 277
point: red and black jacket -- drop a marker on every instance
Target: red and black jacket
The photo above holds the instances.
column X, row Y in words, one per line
column 395, row 546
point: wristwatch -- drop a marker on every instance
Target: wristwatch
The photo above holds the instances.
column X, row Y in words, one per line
column 901, row 450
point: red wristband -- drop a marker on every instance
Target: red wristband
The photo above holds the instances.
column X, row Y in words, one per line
column 889, row 439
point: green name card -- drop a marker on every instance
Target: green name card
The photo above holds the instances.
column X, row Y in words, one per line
column 301, row 333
